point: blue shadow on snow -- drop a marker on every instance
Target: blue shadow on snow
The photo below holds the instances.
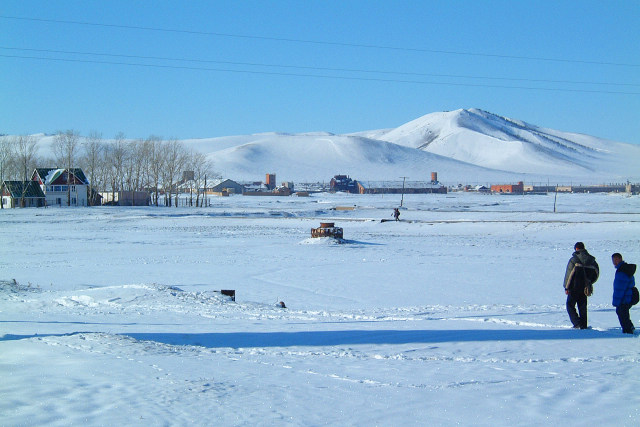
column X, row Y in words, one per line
column 348, row 337
column 356, row 337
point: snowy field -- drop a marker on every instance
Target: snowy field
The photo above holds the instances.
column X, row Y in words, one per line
column 453, row 316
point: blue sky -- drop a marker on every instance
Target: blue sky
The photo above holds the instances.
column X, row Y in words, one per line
column 217, row 68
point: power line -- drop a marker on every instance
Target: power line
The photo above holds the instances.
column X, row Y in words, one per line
column 320, row 42
column 351, row 70
column 422, row 82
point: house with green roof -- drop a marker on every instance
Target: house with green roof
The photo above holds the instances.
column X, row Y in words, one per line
column 62, row 187
column 23, row 194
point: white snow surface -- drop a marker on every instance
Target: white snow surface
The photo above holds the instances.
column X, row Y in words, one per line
column 469, row 146
column 453, row 316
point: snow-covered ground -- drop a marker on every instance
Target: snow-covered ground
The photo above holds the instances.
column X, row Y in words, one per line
column 455, row 315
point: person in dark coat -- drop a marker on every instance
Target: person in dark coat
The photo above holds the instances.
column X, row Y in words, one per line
column 582, row 271
column 622, row 284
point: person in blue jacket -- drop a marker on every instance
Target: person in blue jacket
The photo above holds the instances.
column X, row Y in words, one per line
column 622, row 284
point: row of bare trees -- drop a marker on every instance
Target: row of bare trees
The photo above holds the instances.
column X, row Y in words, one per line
column 154, row 165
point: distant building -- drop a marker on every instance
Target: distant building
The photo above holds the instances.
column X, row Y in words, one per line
column 63, row 187
column 227, row 186
column 343, row 183
column 508, row 188
column 398, row 187
column 476, row 188
column 289, row 185
column 270, row 182
column 134, row 198
column 25, row 194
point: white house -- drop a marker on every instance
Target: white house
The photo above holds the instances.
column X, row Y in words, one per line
column 62, row 188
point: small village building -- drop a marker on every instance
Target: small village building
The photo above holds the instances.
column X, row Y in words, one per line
column 508, row 188
column 63, row 187
column 25, row 194
column 134, row 198
column 343, row 183
column 270, row 181
column 399, row 187
column 253, row 190
column 225, row 187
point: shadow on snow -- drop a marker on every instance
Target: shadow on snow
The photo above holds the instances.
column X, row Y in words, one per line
column 349, row 337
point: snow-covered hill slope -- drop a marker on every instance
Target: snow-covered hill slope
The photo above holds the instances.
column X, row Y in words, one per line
column 485, row 139
column 320, row 156
column 463, row 146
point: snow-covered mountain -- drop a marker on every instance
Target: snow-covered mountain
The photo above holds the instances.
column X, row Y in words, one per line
column 462, row 146
column 496, row 142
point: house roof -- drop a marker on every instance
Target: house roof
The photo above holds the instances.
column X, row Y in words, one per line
column 226, row 183
column 30, row 189
column 49, row 175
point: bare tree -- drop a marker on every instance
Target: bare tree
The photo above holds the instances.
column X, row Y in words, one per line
column 175, row 156
column 155, row 164
column 65, row 148
column 117, row 154
column 92, row 160
column 25, row 148
column 202, row 169
column 6, row 150
column 136, row 163
column 103, row 172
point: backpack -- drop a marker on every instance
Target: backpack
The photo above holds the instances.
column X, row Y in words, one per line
column 630, row 270
column 588, row 277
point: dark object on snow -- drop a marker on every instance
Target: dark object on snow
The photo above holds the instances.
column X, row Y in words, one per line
column 230, row 293
column 281, row 304
column 396, row 214
column 327, row 229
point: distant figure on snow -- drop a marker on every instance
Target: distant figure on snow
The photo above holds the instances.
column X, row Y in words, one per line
column 396, row 214
column 623, row 283
column 281, row 304
column 582, row 272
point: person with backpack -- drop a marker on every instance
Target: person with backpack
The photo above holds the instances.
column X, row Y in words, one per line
column 624, row 285
column 582, row 272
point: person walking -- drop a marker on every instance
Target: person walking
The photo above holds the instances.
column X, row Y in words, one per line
column 582, row 271
column 623, row 282
column 396, row 214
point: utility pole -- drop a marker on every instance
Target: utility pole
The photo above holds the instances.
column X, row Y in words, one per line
column 402, row 198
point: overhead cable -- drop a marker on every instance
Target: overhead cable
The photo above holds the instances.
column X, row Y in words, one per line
column 422, row 82
column 319, row 42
